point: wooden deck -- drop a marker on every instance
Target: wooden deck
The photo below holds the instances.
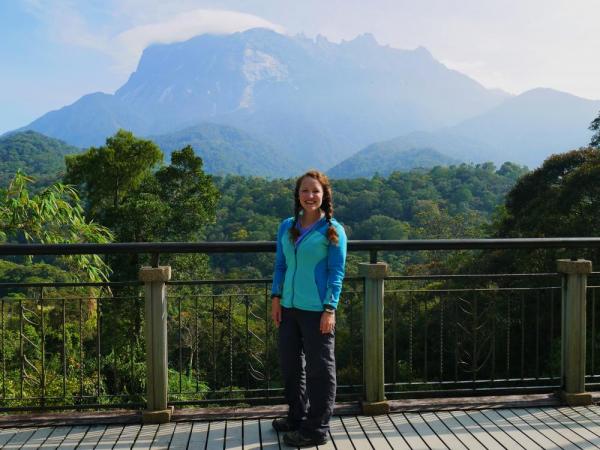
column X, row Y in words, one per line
column 508, row 428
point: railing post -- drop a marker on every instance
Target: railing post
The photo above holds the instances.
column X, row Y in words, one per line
column 574, row 286
column 374, row 401
column 155, row 295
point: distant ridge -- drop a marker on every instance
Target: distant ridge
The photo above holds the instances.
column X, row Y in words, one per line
column 530, row 127
column 415, row 150
column 227, row 150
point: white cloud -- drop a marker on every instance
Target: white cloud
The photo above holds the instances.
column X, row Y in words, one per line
column 129, row 44
column 65, row 21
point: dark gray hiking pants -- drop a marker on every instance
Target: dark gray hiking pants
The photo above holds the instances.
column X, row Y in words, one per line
column 307, row 360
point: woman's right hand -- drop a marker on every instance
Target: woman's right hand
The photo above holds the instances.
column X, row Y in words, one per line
column 276, row 311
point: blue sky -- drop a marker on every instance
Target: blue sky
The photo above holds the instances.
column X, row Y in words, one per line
column 54, row 51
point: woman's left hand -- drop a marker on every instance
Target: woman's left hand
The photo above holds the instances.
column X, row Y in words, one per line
column 327, row 322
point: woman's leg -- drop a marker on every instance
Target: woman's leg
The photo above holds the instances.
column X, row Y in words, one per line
column 319, row 351
column 292, row 363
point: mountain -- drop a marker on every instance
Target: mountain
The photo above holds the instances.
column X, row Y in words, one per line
column 525, row 129
column 415, row 150
column 33, row 153
column 89, row 121
column 316, row 101
column 227, row 150
column 530, row 127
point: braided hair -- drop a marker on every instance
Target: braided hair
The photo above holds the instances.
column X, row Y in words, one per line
column 326, row 205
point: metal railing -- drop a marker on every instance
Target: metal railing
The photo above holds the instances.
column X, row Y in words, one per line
column 483, row 333
column 223, row 345
column 58, row 345
column 444, row 334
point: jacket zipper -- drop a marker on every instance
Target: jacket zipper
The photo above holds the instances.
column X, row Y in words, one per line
column 296, row 264
column 294, row 276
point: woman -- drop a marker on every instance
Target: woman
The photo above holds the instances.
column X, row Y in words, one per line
column 309, row 269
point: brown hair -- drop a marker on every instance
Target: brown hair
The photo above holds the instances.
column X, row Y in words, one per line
column 326, row 205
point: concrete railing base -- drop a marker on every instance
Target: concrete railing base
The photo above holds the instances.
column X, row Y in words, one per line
column 157, row 417
column 578, row 399
column 375, row 408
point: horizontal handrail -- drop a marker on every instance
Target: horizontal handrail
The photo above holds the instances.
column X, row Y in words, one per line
column 269, row 246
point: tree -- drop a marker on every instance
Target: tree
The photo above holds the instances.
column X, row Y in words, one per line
column 561, row 198
column 189, row 193
column 595, row 126
column 125, row 188
column 107, row 174
column 52, row 216
column 381, row 227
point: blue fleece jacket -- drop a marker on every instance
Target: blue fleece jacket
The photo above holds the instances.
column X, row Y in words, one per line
column 309, row 275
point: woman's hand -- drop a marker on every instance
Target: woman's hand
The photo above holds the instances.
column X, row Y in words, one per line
column 276, row 311
column 327, row 322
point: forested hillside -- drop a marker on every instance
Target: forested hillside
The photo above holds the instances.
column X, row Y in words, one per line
column 443, row 202
column 33, row 153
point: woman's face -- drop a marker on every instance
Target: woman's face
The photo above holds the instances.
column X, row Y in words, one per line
column 311, row 194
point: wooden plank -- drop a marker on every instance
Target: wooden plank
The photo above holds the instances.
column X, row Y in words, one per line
column 547, row 430
column 37, row 438
column 233, row 435
column 442, row 431
column 20, row 437
column 74, row 437
column 181, row 436
column 425, row 431
column 407, row 431
column 163, row 436
column 461, row 433
column 338, row 434
column 6, row 434
column 251, row 434
column 500, row 434
column 269, row 437
column 145, row 436
column 592, row 412
column 390, row 432
column 577, row 414
column 111, row 436
column 216, row 435
column 127, row 437
column 594, row 409
column 478, row 433
column 92, row 437
column 514, row 425
column 588, row 413
column 56, row 438
column 356, row 434
column 374, row 434
column 560, row 425
column 198, row 435
column 574, row 427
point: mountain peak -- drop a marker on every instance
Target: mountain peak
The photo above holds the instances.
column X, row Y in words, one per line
column 546, row 93
column 259, row 33
column 423, row 52
column 364, row 40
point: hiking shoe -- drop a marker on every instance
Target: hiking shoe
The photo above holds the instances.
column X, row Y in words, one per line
column 297, row 439
column 283, row 425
